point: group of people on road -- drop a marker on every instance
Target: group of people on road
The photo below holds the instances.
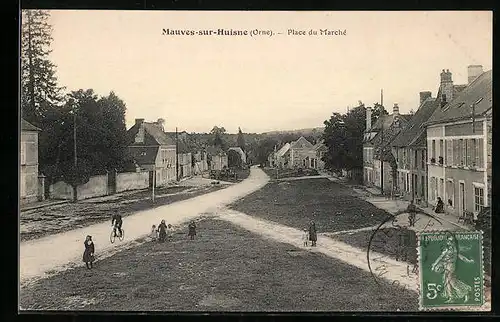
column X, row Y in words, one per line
column 159, row 233
column 310, row 235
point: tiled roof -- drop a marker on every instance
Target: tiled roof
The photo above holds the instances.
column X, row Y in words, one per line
column 479, row 92
column 214, row 150
column 27, row 126
column 144, row 155
column 301, row 143
column 154, row 135
column 386, row 122
column 415, row 128
column 157, row 133
column 284, row 149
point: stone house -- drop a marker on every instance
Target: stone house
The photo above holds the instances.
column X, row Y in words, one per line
column 29, row 181
column 410, row 151
column 153, row 150
column 217, row 158
column 321, row 149
column 379, row 165
column 458, row 144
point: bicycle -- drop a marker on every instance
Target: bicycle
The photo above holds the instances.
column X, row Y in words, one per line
column 114, row 234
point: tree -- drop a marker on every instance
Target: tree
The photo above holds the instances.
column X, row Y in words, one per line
column 241, row 140
column 377, row 111
column 100, row 138
column 264, row 148
column 217, row 133
column 234, row 159
column 39, row 90
column 343, row 136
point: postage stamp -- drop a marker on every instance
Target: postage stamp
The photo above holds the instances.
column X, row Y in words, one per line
column 451, row 270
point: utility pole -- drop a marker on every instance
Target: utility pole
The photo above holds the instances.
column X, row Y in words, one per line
column 74, row 138
column 176, row 155
column 382, row 97
column 154, row 183
column 382, row 160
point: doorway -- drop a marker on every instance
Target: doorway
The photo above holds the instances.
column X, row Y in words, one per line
column 461, row 198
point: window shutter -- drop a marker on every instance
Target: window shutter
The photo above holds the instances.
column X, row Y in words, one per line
column 469, row 152
column 479, row 155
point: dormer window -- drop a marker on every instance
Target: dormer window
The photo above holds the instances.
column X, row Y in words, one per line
column 139, row 137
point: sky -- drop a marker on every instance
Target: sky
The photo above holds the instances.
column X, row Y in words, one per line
column 264, row 83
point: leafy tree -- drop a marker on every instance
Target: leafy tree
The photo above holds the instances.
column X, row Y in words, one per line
column 234, row 159
column 241, row 140
column 39, row 90
column 100, row 138
column 377, row 111
column 264, row 148
column 343, row 135
column 217, row 133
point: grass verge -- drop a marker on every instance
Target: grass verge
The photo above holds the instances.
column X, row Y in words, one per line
column 332, row 206
column 224, row 269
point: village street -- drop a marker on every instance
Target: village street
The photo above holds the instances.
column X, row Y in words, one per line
column 54, row 252
column 255, row 221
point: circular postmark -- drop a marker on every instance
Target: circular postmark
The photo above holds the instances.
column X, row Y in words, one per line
column 392, row 252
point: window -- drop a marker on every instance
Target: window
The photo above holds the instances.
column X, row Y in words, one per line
column 407, row 182
column 415, row 160
column 433, row 150
column 441, row 148
column 449, row 152
column 479, row 154
column 478, row 199
column 423, row 187
column 450, row 193
column 441, row 188
column 463, row 154
column 423, row 159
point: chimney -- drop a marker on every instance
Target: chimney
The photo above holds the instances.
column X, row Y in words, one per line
column 446, row 87
column 139, row 121
column 473, row 72
column 395, row 109
column 368, row 118
column 425, row 95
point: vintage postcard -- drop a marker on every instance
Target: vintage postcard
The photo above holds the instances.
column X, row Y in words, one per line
column 255, row 161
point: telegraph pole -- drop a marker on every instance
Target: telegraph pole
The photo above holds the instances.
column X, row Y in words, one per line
column 154, row 183
column 176, row 155
column 382, row 161
column 74, row 138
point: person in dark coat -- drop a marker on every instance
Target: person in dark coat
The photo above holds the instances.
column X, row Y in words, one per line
column 439, row 206
column 192, row 230
column 312, row 233
column 88, row 254
column 162, row 231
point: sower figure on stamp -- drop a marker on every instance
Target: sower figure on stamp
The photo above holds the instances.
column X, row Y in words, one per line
column 88, row 254
column 312, row 233
column 453, row 288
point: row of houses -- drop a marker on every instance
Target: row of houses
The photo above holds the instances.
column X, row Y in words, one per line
column 443, row 150
column 160, row 157
column 298, row 154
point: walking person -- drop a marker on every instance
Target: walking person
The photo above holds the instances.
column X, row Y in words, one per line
column 162, row 231
column 170, row 231
column 88, row 254
column 312, row 234
column 192, row 230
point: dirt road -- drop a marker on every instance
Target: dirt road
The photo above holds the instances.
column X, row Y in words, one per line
column 48, row 254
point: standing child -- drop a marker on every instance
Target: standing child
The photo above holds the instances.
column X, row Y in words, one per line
column 192, row 230
column 153, row 235
column 170, row 231
column 162, row 231
column 88, row 254
column 305, row 237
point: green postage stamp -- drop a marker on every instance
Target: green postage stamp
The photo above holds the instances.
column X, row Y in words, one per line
column 451, row 270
